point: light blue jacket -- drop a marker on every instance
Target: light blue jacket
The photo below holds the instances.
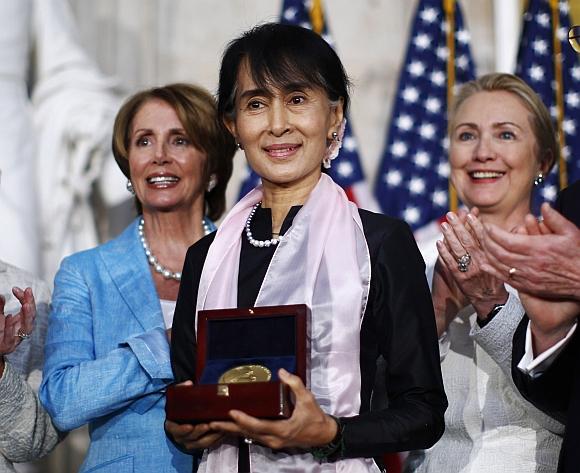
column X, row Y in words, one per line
column 107, row 359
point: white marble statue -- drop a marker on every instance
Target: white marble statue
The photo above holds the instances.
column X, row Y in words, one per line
column 57, row 145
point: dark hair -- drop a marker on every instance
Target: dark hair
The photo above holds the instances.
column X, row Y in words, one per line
column 197, row 112
column 278, row 56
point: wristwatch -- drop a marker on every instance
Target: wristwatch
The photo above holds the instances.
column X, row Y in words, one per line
column 492, row 313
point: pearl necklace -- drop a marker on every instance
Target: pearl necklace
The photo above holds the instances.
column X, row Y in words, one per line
column 152, row 259
column 251, row 239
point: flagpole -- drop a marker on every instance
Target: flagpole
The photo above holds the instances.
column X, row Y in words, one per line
column 449, row 7
column 317, row 16
column 559, row 91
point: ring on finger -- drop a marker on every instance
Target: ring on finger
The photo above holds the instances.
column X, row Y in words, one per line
column 248, row 440
column 463, row 262
column 22, row 335
column 511, row 272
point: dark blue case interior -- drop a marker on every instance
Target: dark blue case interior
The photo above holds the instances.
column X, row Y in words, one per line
column 266, row 341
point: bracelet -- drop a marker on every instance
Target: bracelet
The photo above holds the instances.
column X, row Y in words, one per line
column 333, row 450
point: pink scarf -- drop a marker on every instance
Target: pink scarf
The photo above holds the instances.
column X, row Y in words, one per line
column 323, row 261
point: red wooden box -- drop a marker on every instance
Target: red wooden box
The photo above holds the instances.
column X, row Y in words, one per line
column 273, row 336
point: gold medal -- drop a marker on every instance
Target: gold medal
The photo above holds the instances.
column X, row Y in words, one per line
column 246, row 374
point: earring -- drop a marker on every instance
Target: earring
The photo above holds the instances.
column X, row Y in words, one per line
column 539, row 179
column 130, row 187
column 334, row 146
column 211, row 183
column 239, row 145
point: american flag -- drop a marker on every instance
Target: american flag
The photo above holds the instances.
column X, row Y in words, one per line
column 412, row 182
column 536, row 67
column 346, row 169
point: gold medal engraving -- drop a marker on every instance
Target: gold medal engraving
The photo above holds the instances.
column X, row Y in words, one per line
column 246, row 374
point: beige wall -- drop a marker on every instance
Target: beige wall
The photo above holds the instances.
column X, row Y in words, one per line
column 146, row 42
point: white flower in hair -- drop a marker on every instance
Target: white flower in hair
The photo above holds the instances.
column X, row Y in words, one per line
column 334, row 146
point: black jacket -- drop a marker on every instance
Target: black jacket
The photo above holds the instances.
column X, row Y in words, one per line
column 557, row 391
column 398, row 325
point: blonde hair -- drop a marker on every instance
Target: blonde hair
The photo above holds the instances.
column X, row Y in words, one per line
column 541, row 121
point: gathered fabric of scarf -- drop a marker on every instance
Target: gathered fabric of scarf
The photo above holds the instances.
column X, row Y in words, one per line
column 322, row 261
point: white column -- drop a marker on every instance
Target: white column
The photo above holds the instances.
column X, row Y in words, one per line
column 507, row 19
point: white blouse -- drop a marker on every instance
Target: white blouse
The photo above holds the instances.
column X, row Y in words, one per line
column 168, row 309
column 489, row 426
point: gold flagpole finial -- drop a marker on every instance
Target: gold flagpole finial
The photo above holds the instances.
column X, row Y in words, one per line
column 317, row 16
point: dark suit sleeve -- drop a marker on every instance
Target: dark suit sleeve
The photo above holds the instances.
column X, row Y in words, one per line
column 183, row 339
column 568, row 203
column 402, row 324
column 549, row 392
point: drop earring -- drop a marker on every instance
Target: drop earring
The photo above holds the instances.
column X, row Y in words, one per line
column 334, row 146
column 129, row 186
column 211, row 183
column 539, row 179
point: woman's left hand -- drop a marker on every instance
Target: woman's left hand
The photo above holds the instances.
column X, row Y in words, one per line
column 308, row 426
column 15, row 328
column 463, row 255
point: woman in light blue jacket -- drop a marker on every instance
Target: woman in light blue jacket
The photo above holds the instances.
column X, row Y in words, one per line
column 107, row 353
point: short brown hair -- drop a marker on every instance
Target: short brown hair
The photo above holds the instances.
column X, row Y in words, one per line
column 542, row 125
column 197, row 112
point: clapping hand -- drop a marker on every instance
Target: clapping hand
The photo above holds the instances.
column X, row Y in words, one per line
column 541, row 260
column 16, row 328
column 460, row 280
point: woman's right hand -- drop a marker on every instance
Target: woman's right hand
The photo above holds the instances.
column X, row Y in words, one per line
column 446, row 296
column 192, row 437
column 445, row 293
column 22, row 322
column 12, row 326
column 463, row 238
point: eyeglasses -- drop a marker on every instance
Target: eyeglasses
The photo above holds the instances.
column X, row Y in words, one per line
column 574, row 37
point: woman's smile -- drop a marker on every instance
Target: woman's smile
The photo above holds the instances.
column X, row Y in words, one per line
column 284, row 131
column 167, row 171
column 162, row 181
column 485, row 176
column 494, row 153
column 282, row 151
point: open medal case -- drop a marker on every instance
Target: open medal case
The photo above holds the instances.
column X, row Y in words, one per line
column 239, row 353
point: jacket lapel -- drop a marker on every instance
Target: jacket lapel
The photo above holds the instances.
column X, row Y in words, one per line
column 127, row 265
